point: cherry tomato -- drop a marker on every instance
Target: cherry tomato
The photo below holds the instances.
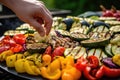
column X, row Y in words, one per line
column 19, row 38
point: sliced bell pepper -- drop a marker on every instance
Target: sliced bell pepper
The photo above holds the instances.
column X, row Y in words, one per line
column 106, row 71
column 19, row 38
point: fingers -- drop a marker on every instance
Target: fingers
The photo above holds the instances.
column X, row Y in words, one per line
column 45, row 14
column 33, row 22
column 48, row 22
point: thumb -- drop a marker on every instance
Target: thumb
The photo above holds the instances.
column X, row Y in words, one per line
column 37, row 26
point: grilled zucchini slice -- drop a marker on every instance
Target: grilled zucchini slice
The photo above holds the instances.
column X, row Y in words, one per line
column 14, row 32
column 108, row 50
column 97, row 40
column 76, row 52
column 78, row 36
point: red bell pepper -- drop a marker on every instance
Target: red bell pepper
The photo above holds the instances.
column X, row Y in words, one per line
column 17, row 48
column 106, row 71
column 86, row 66
column 48, row 50
column 93, row 61
column 81, row 63
column 7, row 40
column 87, row 74
column 19, row 38
column 58, row 51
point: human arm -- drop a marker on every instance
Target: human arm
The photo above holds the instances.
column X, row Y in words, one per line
column 33, row 12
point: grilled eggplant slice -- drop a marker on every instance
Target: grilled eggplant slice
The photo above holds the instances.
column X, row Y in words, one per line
column 36, row 47
column 68, row 22
column 100, row 23
column 83, row 22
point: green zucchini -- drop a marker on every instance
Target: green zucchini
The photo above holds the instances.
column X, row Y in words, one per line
column 67, row 51
column 99, row 53
column 115, row 39
column 108, row 50
column 81, row 53
column 113, row 23
column 97, row 40
column 115, row 49
column 14, row 32
column 79, row 36
column 101, row 29
column 76, row 52
column 82, row 29
column 64, row 33
column 115, row 29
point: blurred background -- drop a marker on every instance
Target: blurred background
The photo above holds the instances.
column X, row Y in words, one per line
column 8, row 20
column 79, row 6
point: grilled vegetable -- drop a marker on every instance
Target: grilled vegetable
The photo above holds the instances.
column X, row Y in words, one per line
column 14, row 32
column 68, row 22
column 64, row 33
column 115, row 49
column 78, row 36
column 100, row 23
column 108, row 62
column 101, row 29
column 108, row 50
column 83, row 22
column 76, row 52
column 115, row 29
column 115, row 39
column 36, row 47
column 96, row 39
column 99, row 53
column 116, row 59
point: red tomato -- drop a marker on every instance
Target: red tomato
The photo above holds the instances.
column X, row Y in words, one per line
column 19, row 38
column 58, row 51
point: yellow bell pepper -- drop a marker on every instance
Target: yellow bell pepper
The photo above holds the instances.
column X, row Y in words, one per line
column 53, row 71
column 47, row 73
column 116, row 59
column 70, row 73
column 28, row 68
column 4, row 54
column 66, row 61
column 46, row 59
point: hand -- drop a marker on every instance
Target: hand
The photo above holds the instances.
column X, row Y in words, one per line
column 33, row 12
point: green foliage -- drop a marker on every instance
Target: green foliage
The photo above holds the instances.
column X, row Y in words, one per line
column 80, row 6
